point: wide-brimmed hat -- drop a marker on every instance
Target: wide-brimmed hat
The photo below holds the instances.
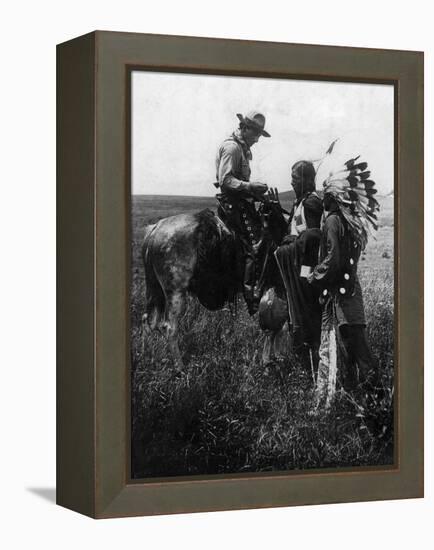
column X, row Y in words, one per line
column 255, row 120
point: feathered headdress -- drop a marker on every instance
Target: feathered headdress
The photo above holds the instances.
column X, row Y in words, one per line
column 353, row 190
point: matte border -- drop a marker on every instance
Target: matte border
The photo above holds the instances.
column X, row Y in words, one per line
column 115, row 54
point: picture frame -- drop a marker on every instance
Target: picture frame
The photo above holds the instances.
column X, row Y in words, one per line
column 93, row 357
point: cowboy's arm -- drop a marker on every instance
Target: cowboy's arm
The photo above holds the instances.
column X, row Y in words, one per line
column 229, row 164
column 326, row 272
column 229, row 161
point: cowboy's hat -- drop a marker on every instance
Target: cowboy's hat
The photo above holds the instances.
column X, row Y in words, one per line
column 255, row 120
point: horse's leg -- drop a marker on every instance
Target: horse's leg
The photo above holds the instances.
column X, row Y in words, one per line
column 175, row 308
column 277, row 343
column 273, row 345
column 266, row 350
column 314, row 358
column 153, row 316
column 155, row 300
column 272, row 319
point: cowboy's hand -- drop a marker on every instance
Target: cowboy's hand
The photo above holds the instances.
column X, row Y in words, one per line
column 258, row 188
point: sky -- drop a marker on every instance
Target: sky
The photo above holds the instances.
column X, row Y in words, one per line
column 179, row 121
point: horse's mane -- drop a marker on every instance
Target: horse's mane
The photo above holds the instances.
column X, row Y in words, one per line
column 215, row 277
column 219, row 265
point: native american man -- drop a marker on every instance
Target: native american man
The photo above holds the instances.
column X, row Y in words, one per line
column 296, row 258
column 298, row 255
column 350, row 211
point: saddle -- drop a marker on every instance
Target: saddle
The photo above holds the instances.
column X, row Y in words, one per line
column 254, row 243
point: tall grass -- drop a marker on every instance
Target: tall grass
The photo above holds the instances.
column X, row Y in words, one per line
column 224, row 412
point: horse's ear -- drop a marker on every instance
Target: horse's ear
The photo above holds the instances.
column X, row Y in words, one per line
column 276, row 194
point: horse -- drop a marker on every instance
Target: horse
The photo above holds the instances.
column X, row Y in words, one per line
column 198, row 254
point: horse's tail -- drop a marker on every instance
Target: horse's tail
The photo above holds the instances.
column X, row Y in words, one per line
column 154, row 294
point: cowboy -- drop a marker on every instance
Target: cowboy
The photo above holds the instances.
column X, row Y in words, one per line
column 238, row 196
column 343, row 330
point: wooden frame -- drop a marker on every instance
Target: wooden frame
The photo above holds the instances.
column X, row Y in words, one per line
column 93, row 230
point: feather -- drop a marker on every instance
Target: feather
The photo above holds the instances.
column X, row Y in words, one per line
column 354, row 180
column 330, row 149
column 337, row 183
column 365, row 175
column 373, row 204
column 362, row 189
column 364, row 200
column 342, row 173
column 374, row 224
column 350, row 163
column 369, row 184
column 361, row 166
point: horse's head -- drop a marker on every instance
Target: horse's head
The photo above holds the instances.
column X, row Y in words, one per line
column 273, row 221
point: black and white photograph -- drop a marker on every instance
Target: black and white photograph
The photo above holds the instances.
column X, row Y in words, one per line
column 262, row 266
column 216, row 240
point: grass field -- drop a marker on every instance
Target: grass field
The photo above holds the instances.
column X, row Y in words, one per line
column 225, row 412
